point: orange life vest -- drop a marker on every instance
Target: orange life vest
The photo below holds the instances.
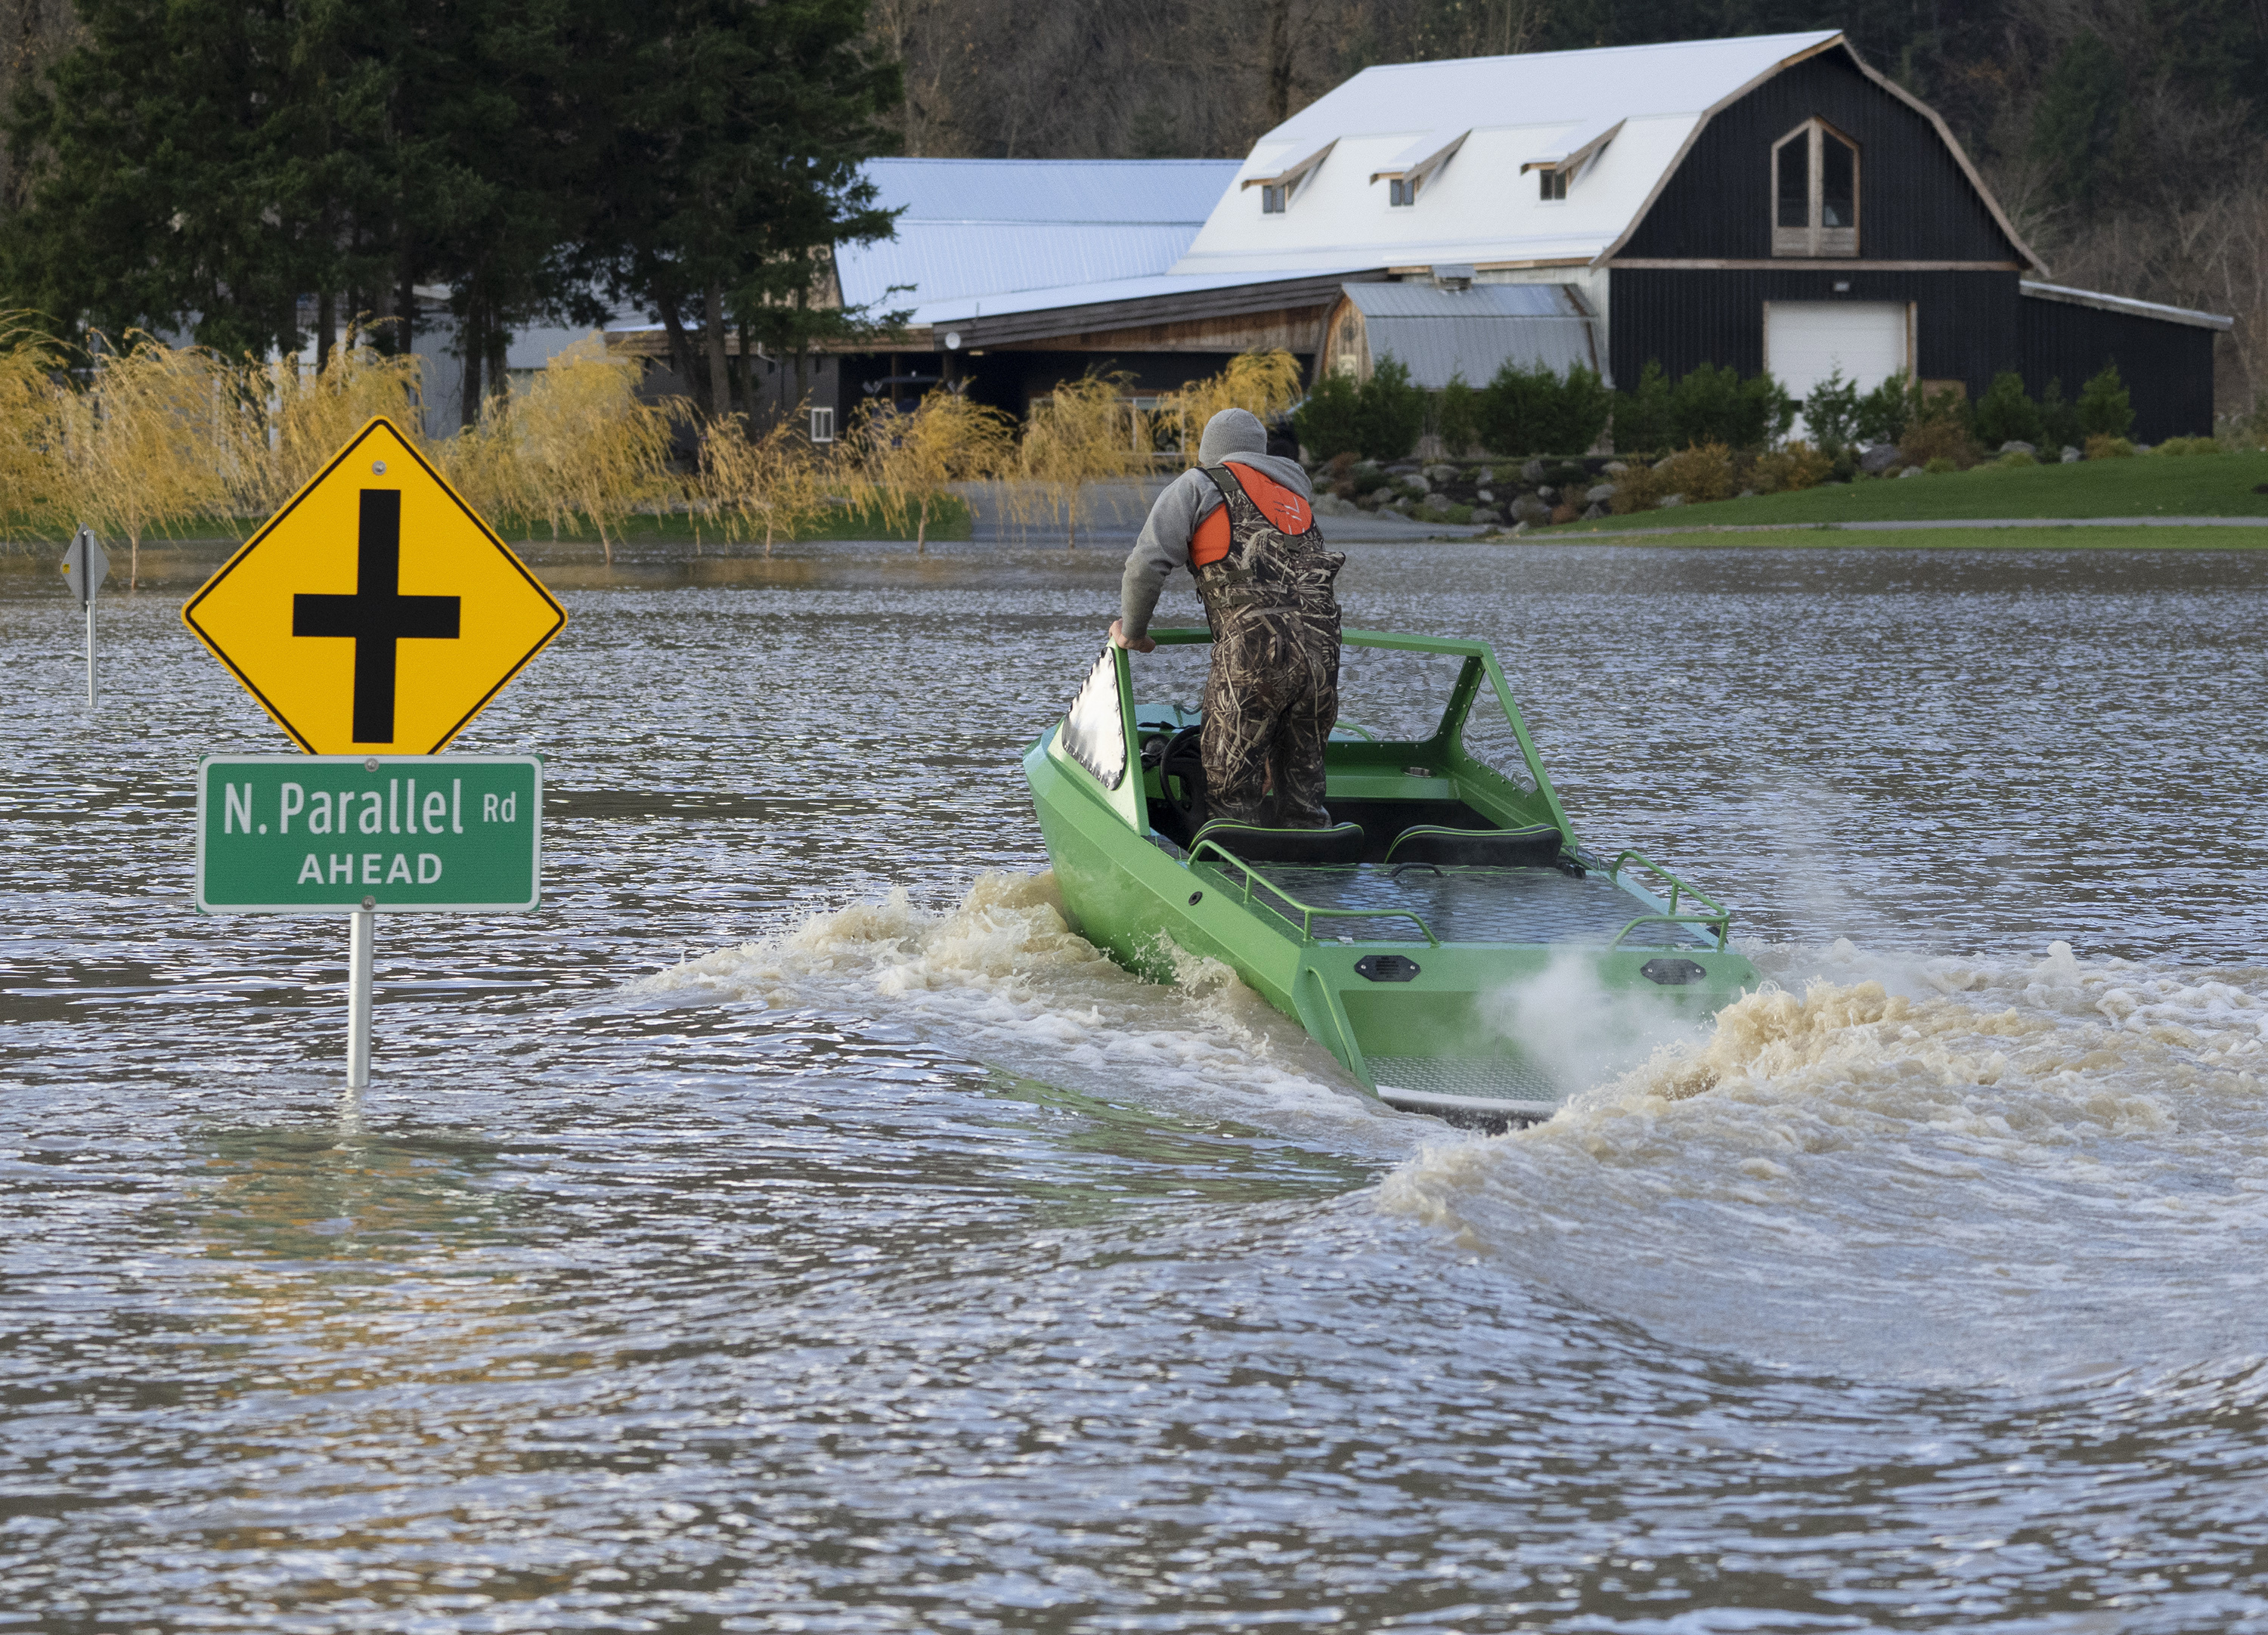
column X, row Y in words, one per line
column 1285, row 509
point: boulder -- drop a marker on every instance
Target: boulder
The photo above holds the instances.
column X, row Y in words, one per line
column 1402, row 467
column 1435, row 503
column 2069, row 454
column 1486, row 496
column 1489, row 515
column 1332, row 505
column 1442, row 474
column 1599, row 493
column 1597, row 512
column 1667, row 500
column 1416, row 484
column 1879, row 459
column 1616, row 468
column 1530, row 510
column 1547, row 492
column 2017, row 445
column 1532, row 472
column 1913, row 471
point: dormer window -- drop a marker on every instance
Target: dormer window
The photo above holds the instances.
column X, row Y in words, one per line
column 1417, row 162
column 1551, row 184
column 1814, row 192
column 1276, row 186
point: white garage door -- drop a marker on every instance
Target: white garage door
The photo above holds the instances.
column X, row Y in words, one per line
column 1805, row 342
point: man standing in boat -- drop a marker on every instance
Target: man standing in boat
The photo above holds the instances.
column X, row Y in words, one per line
column 1242, row 521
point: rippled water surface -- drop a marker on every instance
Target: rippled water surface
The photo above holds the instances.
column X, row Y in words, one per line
column 793, row 1226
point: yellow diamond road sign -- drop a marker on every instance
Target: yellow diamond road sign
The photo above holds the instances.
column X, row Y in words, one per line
column 376, row 611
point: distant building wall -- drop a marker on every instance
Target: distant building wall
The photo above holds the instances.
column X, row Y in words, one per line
column 2167, row 367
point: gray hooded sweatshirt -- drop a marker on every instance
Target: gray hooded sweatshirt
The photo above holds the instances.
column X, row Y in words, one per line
column 1234, row 434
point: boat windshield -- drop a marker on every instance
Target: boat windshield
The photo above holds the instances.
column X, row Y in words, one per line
column 1385, row 694
column 1395, row 696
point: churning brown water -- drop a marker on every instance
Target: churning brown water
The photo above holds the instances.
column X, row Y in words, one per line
column 794, row 1227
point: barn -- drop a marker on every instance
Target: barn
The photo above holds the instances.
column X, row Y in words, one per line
column 1769, row 202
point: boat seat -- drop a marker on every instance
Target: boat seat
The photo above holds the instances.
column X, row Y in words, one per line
column 1536, row 846
column 1253, row 842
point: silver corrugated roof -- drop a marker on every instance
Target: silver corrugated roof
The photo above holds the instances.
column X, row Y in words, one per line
column 972, row 228
column 1437, row 333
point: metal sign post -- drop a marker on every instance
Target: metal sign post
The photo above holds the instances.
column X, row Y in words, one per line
column 86, row 565
column 362, row 960
column 363, row 836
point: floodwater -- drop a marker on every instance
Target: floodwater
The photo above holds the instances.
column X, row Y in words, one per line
column 793, row 1227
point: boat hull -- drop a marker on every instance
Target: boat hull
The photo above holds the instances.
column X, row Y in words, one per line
column 1431, row 1037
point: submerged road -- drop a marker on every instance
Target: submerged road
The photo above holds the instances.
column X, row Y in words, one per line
column 793, row 1226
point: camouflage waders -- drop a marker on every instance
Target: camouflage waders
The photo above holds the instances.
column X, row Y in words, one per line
column 1273, row 696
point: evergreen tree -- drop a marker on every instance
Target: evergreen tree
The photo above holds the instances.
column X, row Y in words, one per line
column 2075, row 128
column 738, row 132
column 1329, row 423
column 2105, row 409
column 2005, row 413
column 1390, row 413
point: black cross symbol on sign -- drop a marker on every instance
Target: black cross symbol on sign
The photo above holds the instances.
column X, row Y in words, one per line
column 377, row 615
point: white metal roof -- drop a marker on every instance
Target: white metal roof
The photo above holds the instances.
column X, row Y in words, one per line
column 997, row 233
column 2125, row 304
column 1476, row 206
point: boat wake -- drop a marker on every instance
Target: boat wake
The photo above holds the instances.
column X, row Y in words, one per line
column 2037, row 1170
column 1001, row 976
column 1936, row 1169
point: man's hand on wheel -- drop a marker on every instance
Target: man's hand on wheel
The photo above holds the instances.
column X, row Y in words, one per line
column 1132, row 643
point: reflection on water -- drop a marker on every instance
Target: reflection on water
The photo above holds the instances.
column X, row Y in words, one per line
column 795, row 1226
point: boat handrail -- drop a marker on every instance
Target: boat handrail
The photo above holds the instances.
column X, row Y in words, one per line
column 1677, row 888
column 1720, row 923
column 1308, row 912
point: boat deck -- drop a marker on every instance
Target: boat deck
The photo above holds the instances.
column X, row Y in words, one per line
column 1498, row 905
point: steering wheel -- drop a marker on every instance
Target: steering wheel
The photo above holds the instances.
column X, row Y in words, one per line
column 1181, row 775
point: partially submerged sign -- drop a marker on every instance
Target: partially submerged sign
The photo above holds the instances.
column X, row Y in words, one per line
column 331, row 834
column 376, row 611
column 85, row 566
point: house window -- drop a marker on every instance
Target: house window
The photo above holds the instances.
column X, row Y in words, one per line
column 1399, row 192
column 1814, row 192
column 1551, row 184
column 823, row 425
column 1271, row 200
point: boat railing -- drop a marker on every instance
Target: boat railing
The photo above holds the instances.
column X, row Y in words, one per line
column 1678, row 888
column 1308, row 912
column 1718, row 922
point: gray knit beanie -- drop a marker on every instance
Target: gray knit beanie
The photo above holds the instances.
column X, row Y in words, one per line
column 1232, row 432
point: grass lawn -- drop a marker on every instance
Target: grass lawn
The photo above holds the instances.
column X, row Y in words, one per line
column 2047, row 536
column 2148, row 485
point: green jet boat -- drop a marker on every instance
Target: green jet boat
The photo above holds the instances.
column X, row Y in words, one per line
column 1400, row 937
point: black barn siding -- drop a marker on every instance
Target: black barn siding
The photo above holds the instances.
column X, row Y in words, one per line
column 2167, row 368
column 1915, row 203
column 1966, row 329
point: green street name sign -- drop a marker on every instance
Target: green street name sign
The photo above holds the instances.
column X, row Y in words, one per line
column 331, row 834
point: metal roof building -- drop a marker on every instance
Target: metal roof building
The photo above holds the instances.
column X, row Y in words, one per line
column 1770, row 203
column 1474, row 330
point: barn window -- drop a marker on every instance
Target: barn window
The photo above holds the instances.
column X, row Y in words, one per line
column 1399, row 192
column 823, row 425
column 1271, row 200
column 1551, row 184
column 1814, row 192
